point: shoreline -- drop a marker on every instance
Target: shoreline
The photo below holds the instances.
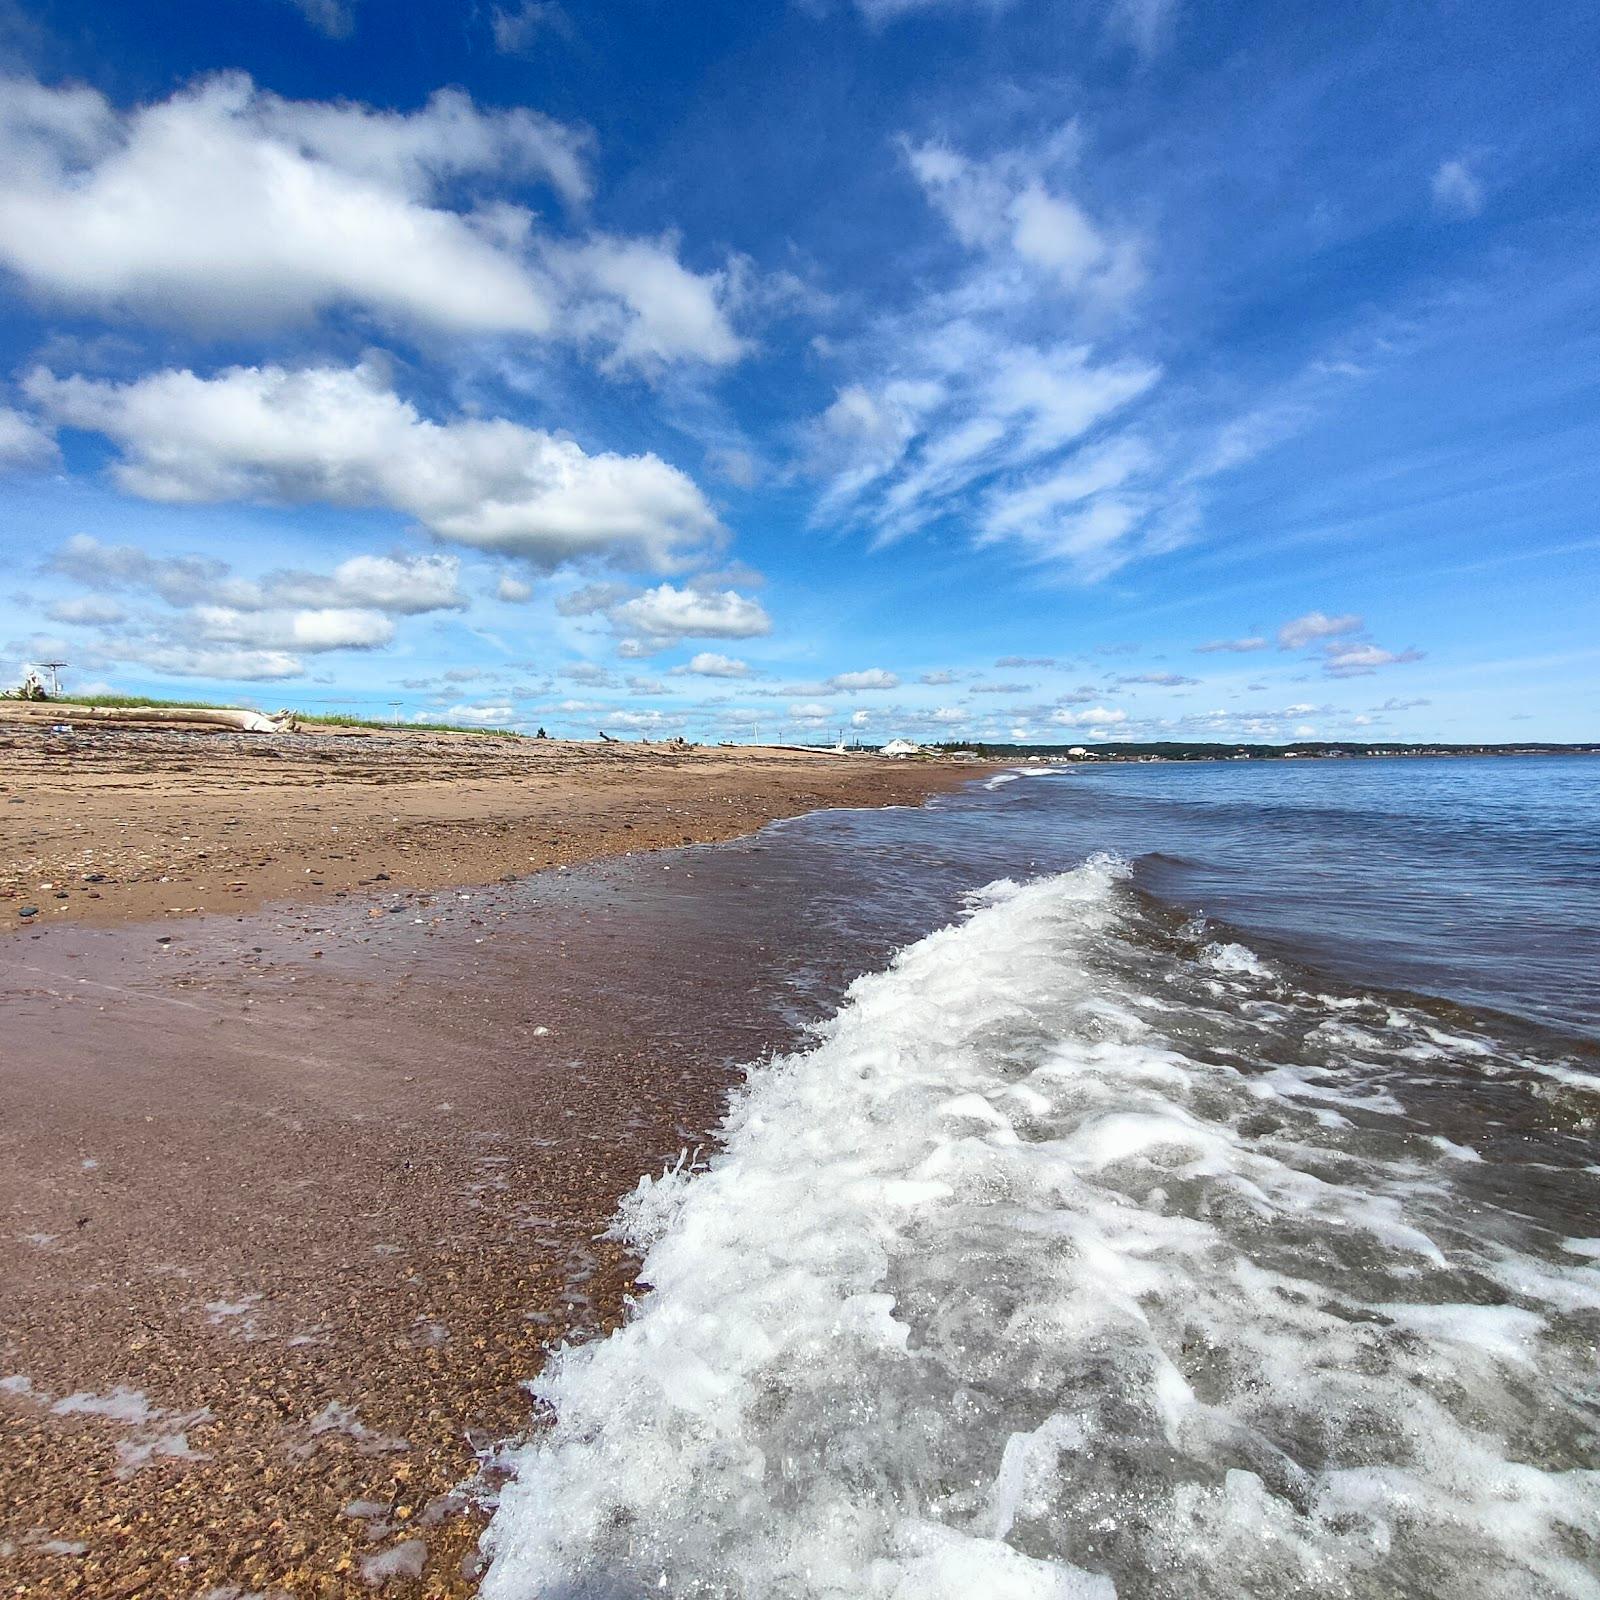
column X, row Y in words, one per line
column 300, row 1195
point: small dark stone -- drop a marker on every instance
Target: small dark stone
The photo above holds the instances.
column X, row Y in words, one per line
column 61, row 894
column 163, row 938
column 380, row 877
column 94, row 877
column 29, row 911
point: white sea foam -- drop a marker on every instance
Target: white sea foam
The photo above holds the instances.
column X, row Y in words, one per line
column 1029, row 1281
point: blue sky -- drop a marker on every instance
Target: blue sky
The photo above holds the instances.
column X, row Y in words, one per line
column 1115, row 369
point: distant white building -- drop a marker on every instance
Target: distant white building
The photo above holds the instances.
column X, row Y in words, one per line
column 1077, row 750
column 902, row 747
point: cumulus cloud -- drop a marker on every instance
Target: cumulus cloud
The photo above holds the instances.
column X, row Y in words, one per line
column 513, row 590
column 341, row 436
column 711, row 664
column 400, row 585
column 23, row 441
column 88, row 610
column 643, row 305
column 294, row 207
column 1093, row 717
column 480, row 716
column 667, row 612
column 1457, row 193
column 299, row 208
column 855, row 682
column 177, row 660
column 313, row 631
column 1314, row 625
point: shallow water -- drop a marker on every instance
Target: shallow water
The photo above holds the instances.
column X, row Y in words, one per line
column 1088, row 1250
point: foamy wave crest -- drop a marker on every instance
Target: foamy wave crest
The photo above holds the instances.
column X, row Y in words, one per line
column 1069, row 1264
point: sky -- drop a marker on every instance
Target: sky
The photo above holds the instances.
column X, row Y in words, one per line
column 1048, row 372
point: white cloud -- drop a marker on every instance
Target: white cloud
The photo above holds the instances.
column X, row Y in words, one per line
column 513, row 590
column 1094, row 717
column 1011, row 204
column 1231, row 646
column 737, row 466
column 23, row 442
column 1457, row 192
column 1353, row 659
column 639, row 300
column 1314, row 625
column 479, row 716
column 90, row 610
column 710, row 664
column 333, row 18
column 871, row 678
column 639, row 721
column 668, row 612
column 325, row 628
column 400, row 585
column 1145, row 24
column 172, row 660
column 341, row 436
column 811, row 711
column 516, row 30
column 227, row 206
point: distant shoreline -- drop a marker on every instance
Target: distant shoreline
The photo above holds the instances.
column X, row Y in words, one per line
column 1321, row 750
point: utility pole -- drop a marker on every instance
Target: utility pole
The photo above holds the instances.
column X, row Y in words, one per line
column 394, row 705
column 54, row 668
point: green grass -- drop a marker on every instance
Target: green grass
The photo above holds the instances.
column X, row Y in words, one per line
column 341, row 719
column 136, row 700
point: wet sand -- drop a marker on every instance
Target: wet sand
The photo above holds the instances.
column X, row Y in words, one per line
column 295, row 1202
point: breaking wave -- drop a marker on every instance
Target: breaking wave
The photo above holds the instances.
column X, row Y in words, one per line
column 1083, row 1256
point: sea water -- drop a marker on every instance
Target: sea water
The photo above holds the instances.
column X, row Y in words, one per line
column 1147, row 1225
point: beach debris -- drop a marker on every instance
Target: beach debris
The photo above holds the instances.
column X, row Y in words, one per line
column 31, row 688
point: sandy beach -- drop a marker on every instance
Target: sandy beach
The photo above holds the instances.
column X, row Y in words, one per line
column 104, row 824
column 314, row 1119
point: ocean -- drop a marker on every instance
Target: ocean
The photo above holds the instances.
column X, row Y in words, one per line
column 1183, row 1184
